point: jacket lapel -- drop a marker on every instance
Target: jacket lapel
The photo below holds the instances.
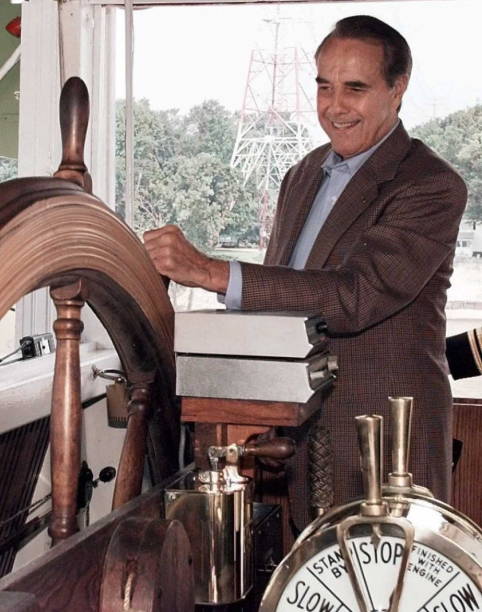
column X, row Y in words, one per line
column 360, row 192
column 301, row 199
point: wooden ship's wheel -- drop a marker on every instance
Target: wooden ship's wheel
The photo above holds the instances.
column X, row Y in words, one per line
column 55, row 233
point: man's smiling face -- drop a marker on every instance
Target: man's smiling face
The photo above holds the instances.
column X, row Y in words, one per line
column 356, row 106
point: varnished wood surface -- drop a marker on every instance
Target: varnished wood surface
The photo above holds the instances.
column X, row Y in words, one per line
column 148, row 565
column 68, row 577
column 247, row 412
column 467, row 485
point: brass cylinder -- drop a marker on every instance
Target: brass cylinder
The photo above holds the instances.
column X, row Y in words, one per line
column 401, row 422
column 218, row 521
column 370, row 441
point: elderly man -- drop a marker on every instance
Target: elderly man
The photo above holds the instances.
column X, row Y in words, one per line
column 364, row 234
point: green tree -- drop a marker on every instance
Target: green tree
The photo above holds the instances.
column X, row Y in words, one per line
column 195, row 193
column 182, row 173
column 157, row 137
column 209, row 128
column 458, row 139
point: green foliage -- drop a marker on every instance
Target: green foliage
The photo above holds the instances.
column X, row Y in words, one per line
column 209, row 128
column 8, row 168
column 182, row 173
column 458, row 139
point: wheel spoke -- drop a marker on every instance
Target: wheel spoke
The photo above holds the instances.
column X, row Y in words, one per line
column 65, row 424
column 131, row 466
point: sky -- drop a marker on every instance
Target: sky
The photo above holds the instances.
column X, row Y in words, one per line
column 187, row 54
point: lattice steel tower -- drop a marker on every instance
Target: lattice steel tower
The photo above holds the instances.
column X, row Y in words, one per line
column 276, row 118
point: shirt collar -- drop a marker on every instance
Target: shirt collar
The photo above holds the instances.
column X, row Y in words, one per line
column 333, row 161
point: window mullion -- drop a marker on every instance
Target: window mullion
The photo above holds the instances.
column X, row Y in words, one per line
column 129, row 113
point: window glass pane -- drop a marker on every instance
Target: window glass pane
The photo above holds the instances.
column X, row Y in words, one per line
column 209, row 80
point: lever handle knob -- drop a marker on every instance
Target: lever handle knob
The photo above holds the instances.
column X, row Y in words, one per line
column 74, row 118
column 275, row 448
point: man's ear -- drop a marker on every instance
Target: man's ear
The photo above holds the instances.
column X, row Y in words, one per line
column 400, row 86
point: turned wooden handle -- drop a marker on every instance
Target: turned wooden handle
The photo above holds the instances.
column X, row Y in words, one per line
column 74, row 118
column 275, row 448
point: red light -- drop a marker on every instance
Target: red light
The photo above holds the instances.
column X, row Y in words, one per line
column 14, row 27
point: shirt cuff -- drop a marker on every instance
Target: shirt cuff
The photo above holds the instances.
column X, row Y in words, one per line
column 233, row 295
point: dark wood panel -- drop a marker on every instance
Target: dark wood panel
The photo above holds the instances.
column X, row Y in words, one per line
column 247, row 412
column 467, row 487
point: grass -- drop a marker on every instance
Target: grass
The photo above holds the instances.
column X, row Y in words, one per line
column 254, row 255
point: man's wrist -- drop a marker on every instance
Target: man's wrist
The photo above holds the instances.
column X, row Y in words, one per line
column 218, row 275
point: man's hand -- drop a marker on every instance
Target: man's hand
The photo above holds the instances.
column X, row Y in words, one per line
column 176, row 258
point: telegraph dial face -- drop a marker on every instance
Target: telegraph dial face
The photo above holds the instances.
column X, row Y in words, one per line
column 318, row 581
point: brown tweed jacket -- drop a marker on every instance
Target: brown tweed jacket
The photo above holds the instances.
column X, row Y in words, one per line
column 378, row 272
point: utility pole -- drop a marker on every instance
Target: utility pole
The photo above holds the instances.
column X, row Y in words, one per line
column 275, row 120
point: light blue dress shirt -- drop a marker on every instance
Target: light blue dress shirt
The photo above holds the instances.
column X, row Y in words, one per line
column 338, row 173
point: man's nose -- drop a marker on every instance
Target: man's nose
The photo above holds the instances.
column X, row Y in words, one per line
column 337, row 102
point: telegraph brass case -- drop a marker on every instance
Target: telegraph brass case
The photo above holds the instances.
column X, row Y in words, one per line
column 217, row 516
